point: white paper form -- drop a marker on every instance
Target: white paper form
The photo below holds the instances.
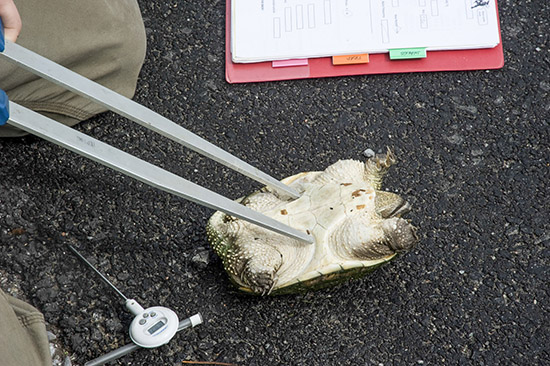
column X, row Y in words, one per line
column 282, row 29
column 263, row 30
column 433, row 24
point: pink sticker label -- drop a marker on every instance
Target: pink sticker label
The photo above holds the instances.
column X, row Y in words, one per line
column 289, row 63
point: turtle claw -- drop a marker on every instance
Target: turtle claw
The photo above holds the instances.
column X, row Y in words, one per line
column 260, row 281
column 383, row 162
column 377, row 167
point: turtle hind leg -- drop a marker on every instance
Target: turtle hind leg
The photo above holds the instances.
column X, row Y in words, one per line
column 255, row 265
column 259, row 276
column 377, row 167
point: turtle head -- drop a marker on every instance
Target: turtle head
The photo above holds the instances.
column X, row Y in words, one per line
column 389, row 205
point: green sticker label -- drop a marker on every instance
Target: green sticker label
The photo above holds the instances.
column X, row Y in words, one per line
column 406, row 53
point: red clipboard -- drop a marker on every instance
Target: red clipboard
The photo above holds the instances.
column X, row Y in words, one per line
column 460, row 60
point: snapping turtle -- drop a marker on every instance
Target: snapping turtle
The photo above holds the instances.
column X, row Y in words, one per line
column 356, row 227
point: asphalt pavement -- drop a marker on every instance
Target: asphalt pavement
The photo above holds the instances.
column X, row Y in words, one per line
column 474, row 162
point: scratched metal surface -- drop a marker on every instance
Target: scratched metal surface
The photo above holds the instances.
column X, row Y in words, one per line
column 474, row 151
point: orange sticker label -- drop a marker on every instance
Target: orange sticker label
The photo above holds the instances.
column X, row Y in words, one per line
column 350, row 59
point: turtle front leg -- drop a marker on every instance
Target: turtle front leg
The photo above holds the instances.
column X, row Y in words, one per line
column 358, row 238
column 377, row 167
column 395, row 235
column 400, row 233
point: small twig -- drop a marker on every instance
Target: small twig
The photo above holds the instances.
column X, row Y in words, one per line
column 207, row 363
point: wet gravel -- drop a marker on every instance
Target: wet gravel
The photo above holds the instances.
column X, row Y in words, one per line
column 474, row 161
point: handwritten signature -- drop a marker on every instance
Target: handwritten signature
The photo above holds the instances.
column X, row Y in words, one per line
column 480, row 3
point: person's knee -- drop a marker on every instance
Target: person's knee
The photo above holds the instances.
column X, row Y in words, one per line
column 102, row 40
column 123, row 53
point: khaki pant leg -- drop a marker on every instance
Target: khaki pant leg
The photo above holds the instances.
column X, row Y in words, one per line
column 23, row 337
column 103, row 40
